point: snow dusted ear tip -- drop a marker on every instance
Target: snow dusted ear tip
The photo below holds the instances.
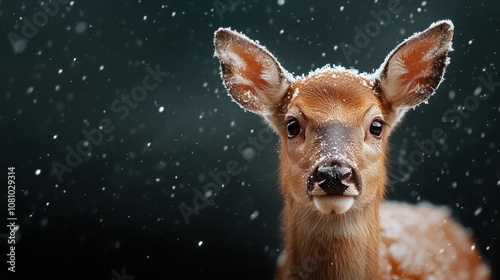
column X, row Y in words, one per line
column 252, row 76
column 414, row 69
column 446, row 26
column 222, row 35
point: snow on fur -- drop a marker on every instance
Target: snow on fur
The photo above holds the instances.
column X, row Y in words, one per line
column 275, row 76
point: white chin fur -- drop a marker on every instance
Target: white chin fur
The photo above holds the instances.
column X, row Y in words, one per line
column 338, row 204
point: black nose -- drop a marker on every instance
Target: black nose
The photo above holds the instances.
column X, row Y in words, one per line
column 334, row 178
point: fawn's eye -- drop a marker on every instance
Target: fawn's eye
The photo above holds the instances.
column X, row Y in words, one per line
column 293, row 127
column 376, row 128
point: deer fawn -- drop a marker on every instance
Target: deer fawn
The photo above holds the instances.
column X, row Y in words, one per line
column 334, row 126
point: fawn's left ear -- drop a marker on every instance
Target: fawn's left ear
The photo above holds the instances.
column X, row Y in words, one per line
column 251, row 75
column 415, row 68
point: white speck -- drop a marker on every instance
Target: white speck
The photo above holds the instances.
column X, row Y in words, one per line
column 423, row 3
column 38, row 171
column 81, row 27
column 144, row 18
column 55, row 136
column 149, row 144
column 470, row 41
column 249, row 153
column 161, row 109
column 323, row 54
column 478, row 211
column 419, row 9
column 452, row 94
column 282, row 31
column 19, row 45
column 281, row 2
column 254, row 215
column 209, row 193
column 60, row 71
column 173, row 14
column 47, row 204
column 472, row 247
column 200, row 243
column 30, row 89
column 341, row 8
column 101, row 67
column 157, row 180
column 478, row 90
column 205, row 84
column 295, row 94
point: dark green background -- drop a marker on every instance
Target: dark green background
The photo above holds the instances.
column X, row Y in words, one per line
column 119, row 207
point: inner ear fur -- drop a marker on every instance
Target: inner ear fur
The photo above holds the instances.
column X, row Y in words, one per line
column 251, row 74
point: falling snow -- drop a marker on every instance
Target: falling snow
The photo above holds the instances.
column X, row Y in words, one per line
column 87, row 98
column 254, row 215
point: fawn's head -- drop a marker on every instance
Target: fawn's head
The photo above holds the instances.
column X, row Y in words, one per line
column 334, row 123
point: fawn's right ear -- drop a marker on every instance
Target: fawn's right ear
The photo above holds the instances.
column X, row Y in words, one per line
column 252, row 76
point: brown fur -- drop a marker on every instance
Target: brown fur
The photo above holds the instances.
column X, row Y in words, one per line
column 334, row 109
column 343, row 237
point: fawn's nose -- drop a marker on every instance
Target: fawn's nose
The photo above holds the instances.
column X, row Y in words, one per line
column 336, row 178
